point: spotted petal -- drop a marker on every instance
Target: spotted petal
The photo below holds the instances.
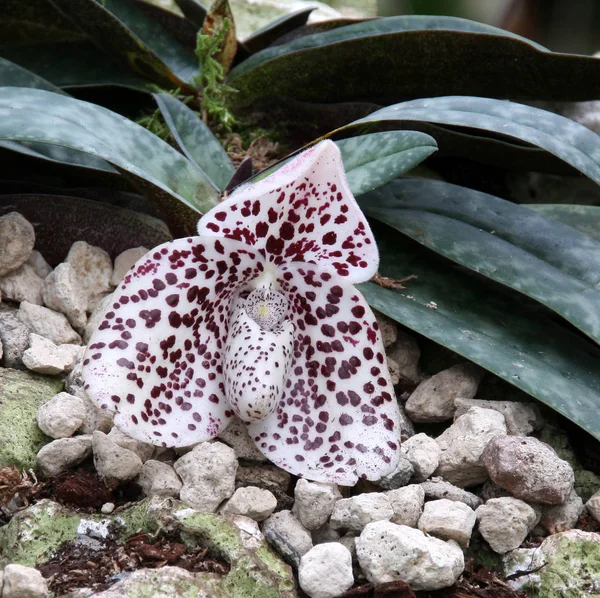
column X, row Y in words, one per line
column 304, row 212
column 338, row 419
column 156, row 358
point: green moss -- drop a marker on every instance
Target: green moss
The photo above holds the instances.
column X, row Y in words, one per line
column 21, row 393
column 245, row 580
column 483, row 555
column 33, row 535
column 136, row 518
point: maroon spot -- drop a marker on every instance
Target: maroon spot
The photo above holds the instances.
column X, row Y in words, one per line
column 172, row 300
column 329, row 238
column 346, row 420
column 328, row 330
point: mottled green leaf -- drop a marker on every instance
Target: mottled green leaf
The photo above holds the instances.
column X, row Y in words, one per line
column 74, row 64
column 495, row 328
column 61, row 220
column 377, row 158
column 399, row 58
column 13, row 75
column 544, row 259
column 585, row 219
column 181, row 28
column 196, row 140
column 195, row 11
column 264, row 37
column 126, row 33
column 566, row 139
column 44, row 117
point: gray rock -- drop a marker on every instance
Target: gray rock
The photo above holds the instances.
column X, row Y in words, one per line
column 352, row 514
column 93, row 269
column 124, row 262
column 44, row 357
column 97, row 315
column 95, row 418
column 314, row 502
column 563, row 517
column 236, row 436
column 462, row 446
column 528, row 469
column 437, row 488
column 14, row 337
column 61, row 455
column 593, row 506
column 143, row 450
column 433, row 399
column 23, row 582
column 22, row 284
column 48, row 323
column 252, row 502
column 17, row 239
column 424, row 454
column 208, row 475
column 389, row 552
column 405, row 355
column 288, row 536
column 114, row 464
column 505, row 522
column 159, row 479
column 325, row 534
column 325, row 571
column 399, row 477
column 41, row 267
column 448, row 520
column 407, row 504
column 61, row 416
column 387, row 328
column 62, row 293
column 521, row 418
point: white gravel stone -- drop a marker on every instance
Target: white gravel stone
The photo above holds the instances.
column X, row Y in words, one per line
column 159, row 479
column 14, row 337
column 48, row 323
column 17, row 238
column 529, row 469
column 114, row 464
column 407, row 504
column 63, row 294
column 325, row 534
column 208, row 475
column 22, row 284
column 438, row 488
column 236, row 436
column 60, row 455
column 39, row 264
column 563, row 517
column 23, row 582
column 405, row 354
column 462, row 445
column 352, row 514
column 448, row 520
column 593, row 506
column 143, row 450
column 326, row 571
column 61, row 416
column 250, row 501
column 314, row 502
column 505, row 522
column 288, row 536
column 433, row 399
column 107, row 508
column 96, row 316
column 424, row 454
column 44, row 357
column 399, row 477
column 124, row 262
column 93, row 269
column 389, row 552
column 521, row 418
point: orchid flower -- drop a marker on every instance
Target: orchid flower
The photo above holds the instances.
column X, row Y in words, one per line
column 257, row 317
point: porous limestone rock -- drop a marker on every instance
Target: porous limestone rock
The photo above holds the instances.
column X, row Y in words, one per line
column 17, row 238
column 437, row 488
column 48, row 323
column 252, row 502
column 407, row 504
column 424, row 454
column 61, row 416
column 92, row 267
column 325, row 571
column 23, row 582
column 314, row 502
column 113, row 463
column 22, row 284
column 62, row 454
column 44, row 357
column 63, row 293
column 448, row 520
column 288, row 536
column 352, row 514
column 159, row 479
column 124, row 262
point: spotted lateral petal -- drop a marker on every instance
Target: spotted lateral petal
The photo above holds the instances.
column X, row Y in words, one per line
column 156, row 358
column 338, row 419
column 304, row 212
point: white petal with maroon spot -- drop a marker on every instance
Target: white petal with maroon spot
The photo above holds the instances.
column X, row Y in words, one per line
column 338, row 419
column 157, row 357
column 304, row 212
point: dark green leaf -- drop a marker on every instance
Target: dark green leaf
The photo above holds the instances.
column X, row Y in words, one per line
column 193, row 10
column 127, row 34
column 539, row 257
column 566, row 139
column 584, row 218
column 44, row 117
column 13, row 75
column 74, row 64
column 59, row 221
column 400, row 58
column 34, row 21
column 498, row 330
column 196, row 140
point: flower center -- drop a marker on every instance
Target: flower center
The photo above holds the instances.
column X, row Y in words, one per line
column 258, row 353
